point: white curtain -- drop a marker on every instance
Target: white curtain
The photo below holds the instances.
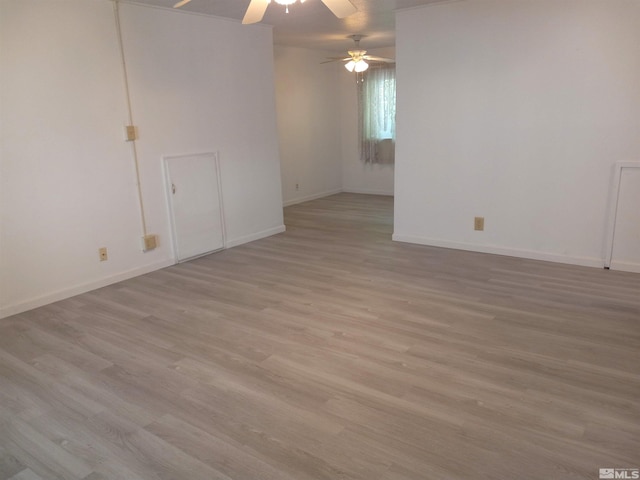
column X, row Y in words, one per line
column 377, row 114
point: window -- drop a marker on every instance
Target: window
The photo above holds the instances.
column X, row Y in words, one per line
column 377, row 114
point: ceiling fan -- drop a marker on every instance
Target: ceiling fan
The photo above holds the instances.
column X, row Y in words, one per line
column 256, row 9
column 357, row 59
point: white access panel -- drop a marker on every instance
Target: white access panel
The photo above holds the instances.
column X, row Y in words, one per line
column 195, row 203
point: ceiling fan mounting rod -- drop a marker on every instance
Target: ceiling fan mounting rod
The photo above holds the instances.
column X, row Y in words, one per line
column 356, row 38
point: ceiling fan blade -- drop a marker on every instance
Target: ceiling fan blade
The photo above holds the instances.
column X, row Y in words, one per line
column 181, row 3
column 379, row 59
column 340, row 8
column 336, row 59
column 255, row 12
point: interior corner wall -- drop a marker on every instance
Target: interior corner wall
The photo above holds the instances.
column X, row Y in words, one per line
column 318, row 128
column 308, row 112
column 67, row 177
column 516, row 112
column 358, row 177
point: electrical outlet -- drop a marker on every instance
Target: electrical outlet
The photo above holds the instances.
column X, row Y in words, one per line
column 297, row 187
column 102, row 252
column 478, row 223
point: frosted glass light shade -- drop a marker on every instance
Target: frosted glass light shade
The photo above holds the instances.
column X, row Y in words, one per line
column 361, row 66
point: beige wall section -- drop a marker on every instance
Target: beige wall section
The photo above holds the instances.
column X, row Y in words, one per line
column 198, row 84
column 318, row 128
column 308, row 105
column 516, row 112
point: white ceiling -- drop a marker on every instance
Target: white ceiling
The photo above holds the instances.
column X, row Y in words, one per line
column 311, row 24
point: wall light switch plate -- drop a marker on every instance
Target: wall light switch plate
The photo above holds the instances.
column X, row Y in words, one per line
column 131, row 133
column 149, row 242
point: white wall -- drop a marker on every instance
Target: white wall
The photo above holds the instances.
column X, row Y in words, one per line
column 308, row 124
column 67, row 180
column 515, row 111
column 318, row 128
column 202, row 84
column 358, row 177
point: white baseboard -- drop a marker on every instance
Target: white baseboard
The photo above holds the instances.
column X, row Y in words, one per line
column 42, row 300
column 510, row 252
column 255, row 236
column 625, row 266
column 308, row 198
column 83, row 288
column 366, row 191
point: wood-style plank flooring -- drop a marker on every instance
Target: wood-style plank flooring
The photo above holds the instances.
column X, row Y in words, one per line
column 329, row 352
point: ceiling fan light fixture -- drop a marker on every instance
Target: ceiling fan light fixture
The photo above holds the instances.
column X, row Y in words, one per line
column 286, row 3
column 361, row 66
column 257, row 8
column 350, row 65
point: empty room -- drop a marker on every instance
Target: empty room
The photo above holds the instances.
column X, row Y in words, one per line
column 330, row 239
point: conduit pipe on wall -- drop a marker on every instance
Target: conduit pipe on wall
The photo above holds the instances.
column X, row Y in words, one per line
column 134, row 149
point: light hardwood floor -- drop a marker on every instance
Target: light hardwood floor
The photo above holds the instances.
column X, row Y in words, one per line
column 329, row 352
